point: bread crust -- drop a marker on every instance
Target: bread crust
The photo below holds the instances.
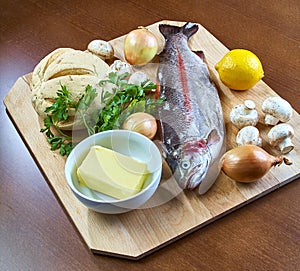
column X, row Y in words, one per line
column 74, row 69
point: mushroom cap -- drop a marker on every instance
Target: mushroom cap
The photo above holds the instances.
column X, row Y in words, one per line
column 101, row 48
column 248, row 135
column 242, row 116
column 280, row 132
column 278, row 108
column 250, row 104
column 138, row 78
column 121, row 67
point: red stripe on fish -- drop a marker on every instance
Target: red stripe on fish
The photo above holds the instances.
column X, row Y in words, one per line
column 185, row 88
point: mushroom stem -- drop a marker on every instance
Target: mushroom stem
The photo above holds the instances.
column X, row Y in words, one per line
column 286, row 145
column 271, row 120
column 276, row 109
column 280, row 136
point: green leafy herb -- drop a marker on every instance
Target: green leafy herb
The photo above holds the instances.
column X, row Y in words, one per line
column 125, row 100
column 82, row 108
column 59, row 109
column 58, row 112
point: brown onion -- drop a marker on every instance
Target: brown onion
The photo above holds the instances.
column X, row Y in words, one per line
column 249, row 163
column 142, row 123
column 140, row 46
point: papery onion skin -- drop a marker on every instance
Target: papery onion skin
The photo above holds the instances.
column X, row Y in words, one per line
column 142, row 123
column 140, row 46
column 248, row 163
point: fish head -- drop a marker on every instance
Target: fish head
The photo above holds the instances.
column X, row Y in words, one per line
column 193, row 159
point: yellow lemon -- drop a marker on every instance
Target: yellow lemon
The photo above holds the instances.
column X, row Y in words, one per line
column 240, row 69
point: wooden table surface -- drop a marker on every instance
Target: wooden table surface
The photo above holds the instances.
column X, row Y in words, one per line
column 36, row 233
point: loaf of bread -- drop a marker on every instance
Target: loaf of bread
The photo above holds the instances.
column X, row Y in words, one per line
column 74, row 69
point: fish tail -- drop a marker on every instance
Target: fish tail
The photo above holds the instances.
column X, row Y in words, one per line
column 188, row 29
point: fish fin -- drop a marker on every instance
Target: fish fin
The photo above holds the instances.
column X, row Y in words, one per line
column 213, row 137
column 165, row 128
column 200, row 54
column 190, row 29
column 205, row 67
column 168, row 30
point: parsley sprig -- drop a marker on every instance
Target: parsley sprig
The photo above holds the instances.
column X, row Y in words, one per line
column 126, row 99
column 83, row 106
column 59, row 111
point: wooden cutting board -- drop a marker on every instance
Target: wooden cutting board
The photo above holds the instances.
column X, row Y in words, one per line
column 137, row 233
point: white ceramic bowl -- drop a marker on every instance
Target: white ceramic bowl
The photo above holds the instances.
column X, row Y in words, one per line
column 128, row 143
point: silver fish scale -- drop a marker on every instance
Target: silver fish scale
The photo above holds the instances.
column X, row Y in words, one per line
column 191, row 120
column 192, row 127
column 205, row 110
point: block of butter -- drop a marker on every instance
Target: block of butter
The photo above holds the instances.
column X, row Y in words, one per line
column 112, row 173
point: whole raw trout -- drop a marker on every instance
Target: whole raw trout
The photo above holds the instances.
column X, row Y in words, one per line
column 191, row 119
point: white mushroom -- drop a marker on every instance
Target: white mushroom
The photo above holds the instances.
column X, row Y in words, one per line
column 101, row 48
column 280, row 136
column 244, row 114
column 137, row 78
column 249, row 135
column 276, row 109
column 120, row 67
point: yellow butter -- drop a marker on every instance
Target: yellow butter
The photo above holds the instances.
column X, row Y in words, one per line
column 112, row 173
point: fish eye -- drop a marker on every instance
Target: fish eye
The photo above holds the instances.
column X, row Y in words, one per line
column 185, row 164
